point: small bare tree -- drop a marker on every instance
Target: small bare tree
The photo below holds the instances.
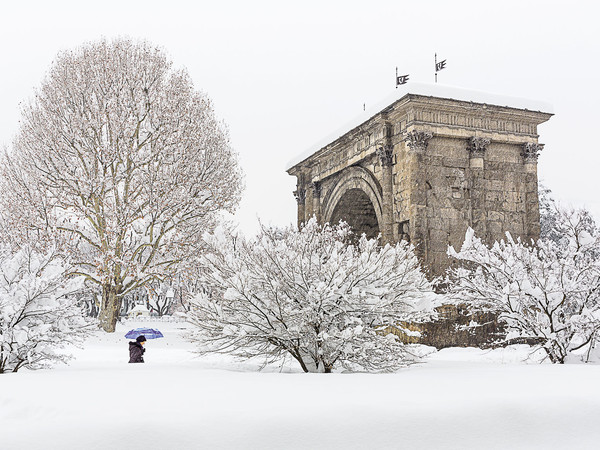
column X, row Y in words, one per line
column 160, row 297
column 121, row 155
column 311, row 295
column 88, row 300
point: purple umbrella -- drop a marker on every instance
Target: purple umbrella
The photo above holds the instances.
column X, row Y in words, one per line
column 148, row 333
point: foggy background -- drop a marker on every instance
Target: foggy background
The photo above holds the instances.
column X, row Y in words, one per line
column 283, row 75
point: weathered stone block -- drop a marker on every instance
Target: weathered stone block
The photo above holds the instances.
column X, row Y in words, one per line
column 462, row 163
column 495, row 216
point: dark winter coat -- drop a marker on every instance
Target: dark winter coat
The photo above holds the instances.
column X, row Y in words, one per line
column 136, row 352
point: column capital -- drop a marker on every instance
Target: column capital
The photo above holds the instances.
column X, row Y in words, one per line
column 300, row 195
column 477, row 146
column 530, row 151
column 418, row 140
column 385, row 154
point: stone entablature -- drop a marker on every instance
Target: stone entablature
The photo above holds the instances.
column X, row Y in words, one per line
column 425, row 168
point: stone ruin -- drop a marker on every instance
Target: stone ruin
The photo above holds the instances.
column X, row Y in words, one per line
column 424, row 169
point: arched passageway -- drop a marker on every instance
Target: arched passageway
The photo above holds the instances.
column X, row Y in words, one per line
column 356, row 209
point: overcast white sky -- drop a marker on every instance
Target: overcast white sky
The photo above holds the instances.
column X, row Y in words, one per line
column 285, row 74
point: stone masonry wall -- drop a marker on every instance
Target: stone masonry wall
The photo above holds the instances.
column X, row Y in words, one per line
column 448, row 195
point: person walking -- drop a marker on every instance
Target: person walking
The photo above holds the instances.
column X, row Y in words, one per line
column 136, row 350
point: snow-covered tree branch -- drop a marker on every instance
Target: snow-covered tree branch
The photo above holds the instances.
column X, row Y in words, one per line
column 548, row 293
column 38, row 311
column 309, row 294
column 119, row 154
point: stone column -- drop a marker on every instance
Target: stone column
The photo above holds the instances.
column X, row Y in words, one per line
column 477, row 147
column 417, row 142
column 300, row 195
column 530, row 152
column 316, row 191
column 385, row 154
column 308, row 204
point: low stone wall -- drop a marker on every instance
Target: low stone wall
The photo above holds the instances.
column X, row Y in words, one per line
column 453, row 328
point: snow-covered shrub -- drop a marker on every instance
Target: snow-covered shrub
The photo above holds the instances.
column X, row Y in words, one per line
column 548, row 293
column 39, row 315
column 312, row 295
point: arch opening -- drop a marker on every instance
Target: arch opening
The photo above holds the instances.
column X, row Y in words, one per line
column 356, row 209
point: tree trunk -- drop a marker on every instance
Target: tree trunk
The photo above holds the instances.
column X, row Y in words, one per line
column 111, row 306
column 296, row 355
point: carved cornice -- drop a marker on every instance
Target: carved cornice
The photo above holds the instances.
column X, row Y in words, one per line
column 316, row 187
column 385, row 154
column 418, row 140
column 530, row 151
column 504, row 119
column 300, row 195
column 477, row 146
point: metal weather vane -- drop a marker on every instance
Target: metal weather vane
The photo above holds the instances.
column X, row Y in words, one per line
column 402, row 79
column 439, row 66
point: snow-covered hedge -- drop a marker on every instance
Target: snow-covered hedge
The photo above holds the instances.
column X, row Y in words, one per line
column 311, row 295
column 38, row 313
column 547, row 293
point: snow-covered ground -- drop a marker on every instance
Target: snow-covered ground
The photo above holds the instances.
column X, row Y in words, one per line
column 457, row 399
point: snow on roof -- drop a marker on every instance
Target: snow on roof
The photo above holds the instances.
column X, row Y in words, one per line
column 140, row 308
column 432, row 90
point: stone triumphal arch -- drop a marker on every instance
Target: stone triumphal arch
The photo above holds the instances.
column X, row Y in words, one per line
column 424, row 169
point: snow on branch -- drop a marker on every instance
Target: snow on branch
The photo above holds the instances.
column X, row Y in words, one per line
column 548, row 293
column 309, row 294
column 122, row 157
column 39, row 315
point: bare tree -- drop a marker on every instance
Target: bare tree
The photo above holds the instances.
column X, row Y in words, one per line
column 310, row 295
column 549, row 216
column 160, row 297
column 88, row 299
column 121, row 155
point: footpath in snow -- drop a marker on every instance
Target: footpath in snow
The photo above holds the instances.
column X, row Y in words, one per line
column 457, row 399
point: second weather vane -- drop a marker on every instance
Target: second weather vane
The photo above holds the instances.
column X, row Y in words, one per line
column 403, row 79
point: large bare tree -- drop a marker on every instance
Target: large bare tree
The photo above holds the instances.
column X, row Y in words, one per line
column 121, row 155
